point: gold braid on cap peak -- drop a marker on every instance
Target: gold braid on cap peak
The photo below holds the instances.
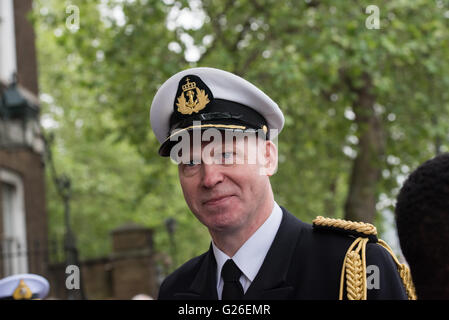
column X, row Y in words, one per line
column 354, row 264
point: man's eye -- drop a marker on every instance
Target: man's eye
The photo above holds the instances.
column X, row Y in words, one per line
column 227, row 155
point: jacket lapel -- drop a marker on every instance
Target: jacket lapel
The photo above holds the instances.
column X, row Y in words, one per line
column 203, row 286
column 271, row 280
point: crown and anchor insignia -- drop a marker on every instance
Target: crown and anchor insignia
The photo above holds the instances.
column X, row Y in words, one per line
column 192, row 98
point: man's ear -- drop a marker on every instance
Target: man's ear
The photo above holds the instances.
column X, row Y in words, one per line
column 270, row 156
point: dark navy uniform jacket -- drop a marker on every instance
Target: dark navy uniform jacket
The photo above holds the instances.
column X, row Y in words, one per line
column 302, row 263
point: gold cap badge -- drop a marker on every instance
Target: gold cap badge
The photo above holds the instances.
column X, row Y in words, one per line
column 192, row 98
column 22, row 291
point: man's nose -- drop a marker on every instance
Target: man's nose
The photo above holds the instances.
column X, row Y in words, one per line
column 211, row 175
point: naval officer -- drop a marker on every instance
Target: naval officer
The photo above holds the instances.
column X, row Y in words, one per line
column 219, row 129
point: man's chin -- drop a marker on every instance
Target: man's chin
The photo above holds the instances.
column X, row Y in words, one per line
column 227, row 228
column 222, row 220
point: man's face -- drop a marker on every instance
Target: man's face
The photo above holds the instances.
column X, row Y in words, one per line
column 227, row 189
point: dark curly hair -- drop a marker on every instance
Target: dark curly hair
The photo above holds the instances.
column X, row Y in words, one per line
column 422, row 218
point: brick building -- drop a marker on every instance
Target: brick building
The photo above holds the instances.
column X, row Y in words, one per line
column 23, row 219
column 131, row 268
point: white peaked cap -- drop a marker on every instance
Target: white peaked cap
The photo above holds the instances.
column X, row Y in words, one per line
column 38, row 285
column 221, row 85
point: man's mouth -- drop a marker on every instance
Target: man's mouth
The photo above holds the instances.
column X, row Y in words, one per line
column 217, row 200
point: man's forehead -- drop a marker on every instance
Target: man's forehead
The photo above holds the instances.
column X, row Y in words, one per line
column 214, row 146
column 224, row 140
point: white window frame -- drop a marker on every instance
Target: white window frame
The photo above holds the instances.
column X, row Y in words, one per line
column 14, row 225
column 8, row 55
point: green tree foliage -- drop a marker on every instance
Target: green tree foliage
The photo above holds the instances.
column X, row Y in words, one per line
column 112, row 182
column 363, row 106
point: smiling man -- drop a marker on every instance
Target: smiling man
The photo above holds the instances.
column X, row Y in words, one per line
column 227, row 193
column 219, row 129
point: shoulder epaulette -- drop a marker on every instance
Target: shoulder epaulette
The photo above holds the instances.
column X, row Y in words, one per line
column 357, row 229
column 354, row 265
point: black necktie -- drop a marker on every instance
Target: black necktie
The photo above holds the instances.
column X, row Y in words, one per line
column 232, row 289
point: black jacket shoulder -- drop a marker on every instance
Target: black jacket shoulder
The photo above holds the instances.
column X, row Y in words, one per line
column 302, row 263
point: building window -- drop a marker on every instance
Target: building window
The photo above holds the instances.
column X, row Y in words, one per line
column 8, row 58
column 13, row 241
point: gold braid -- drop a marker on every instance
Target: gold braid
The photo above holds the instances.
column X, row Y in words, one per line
column 404, row 272
column 365, row 228
column 354, row 265
column 354, row 268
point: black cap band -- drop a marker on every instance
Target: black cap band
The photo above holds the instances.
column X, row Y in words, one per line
column 227, row 112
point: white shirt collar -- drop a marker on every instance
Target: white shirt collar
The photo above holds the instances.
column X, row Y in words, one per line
column 250, row 256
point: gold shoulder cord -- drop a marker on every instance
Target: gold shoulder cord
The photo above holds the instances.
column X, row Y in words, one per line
column 354, row 265
column 404, row 272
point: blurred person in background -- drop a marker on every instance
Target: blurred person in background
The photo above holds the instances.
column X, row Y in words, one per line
column 422, row 218
column 258, row 250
